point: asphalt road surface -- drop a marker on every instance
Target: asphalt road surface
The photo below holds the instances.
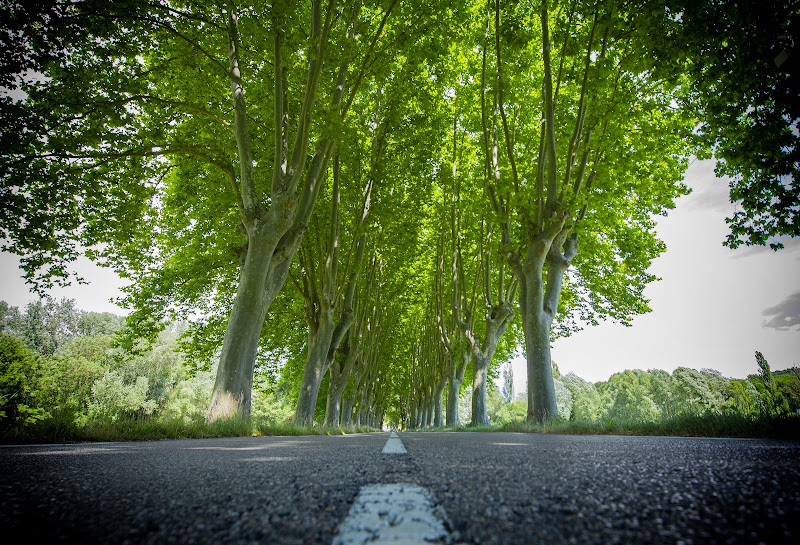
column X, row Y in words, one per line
column 487, row 488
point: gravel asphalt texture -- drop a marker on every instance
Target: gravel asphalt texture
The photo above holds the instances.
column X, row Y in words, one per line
column 500, row 488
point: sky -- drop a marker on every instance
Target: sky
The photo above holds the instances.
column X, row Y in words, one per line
column 713, row 308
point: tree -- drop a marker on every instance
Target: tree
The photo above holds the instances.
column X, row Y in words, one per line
column 788, row 384
column 774, row 402
column 662, row 392
column 606, row 152
column 329, row 308
column 46, row 324
column 138, row 148
column 9, row 319
column 744, row 398
column 586, row 402
column 113, row 398
column 693, row 392
column 626, row 398
column 743, row 75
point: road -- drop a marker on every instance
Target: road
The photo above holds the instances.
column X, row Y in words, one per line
column 489, row 488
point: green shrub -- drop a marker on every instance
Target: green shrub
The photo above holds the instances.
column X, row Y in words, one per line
column 189, row 399
column 18, row 365
column 112, row 398
column 271, row 409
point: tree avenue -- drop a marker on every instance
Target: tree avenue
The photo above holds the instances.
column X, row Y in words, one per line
column 438, row 183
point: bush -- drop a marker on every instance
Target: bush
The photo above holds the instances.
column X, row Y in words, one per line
column 112, row 398
column 63, row 385
column 18, row 365
column 189, row 399
column 270, row 408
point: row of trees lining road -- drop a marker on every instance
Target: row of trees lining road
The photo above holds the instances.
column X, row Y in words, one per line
column 438, row 183
column 89, row 383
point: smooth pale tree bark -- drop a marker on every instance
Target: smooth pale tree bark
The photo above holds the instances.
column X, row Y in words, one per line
column 337, row 382
column 357, row 376
column 438, row 404
column 319, row 341
column 437, row 380
column 368, row 397
column 421, row 378
column 454, row 388
column 321, row 303
column 538, row 306
column 497, row 320
column 365, row 372
column 347, row 410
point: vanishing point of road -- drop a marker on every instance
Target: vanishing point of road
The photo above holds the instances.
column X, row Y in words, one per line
column 500, row 488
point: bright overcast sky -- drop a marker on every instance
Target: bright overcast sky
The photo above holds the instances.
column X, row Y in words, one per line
column 714, row 307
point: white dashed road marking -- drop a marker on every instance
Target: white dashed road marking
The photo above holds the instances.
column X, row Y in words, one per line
column 394, row 445
column 392, row 514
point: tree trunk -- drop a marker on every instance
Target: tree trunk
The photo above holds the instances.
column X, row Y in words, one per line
column 453, row 390
column 538, row 305
column 542, row 406
column 347, row 410
column 316, row 366
column 497, row 321
column 333, row 405
column 429, row 411
column 438, row 408
column 480, row 368
column 234, row 383
column 338, row 377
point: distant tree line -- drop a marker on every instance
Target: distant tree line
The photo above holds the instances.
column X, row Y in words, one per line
column 656, row 395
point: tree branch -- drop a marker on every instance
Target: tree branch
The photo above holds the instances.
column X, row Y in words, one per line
column 549, row 113
column 250, row 201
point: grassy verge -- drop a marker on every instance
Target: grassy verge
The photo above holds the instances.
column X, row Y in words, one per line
column 711, row 425
column 63, row 430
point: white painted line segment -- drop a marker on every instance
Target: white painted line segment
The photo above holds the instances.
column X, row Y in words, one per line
column 394, row 445
column 398, row 513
